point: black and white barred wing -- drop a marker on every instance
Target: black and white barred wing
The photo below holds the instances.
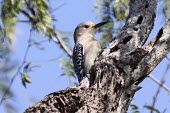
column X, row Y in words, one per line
column 78, row 61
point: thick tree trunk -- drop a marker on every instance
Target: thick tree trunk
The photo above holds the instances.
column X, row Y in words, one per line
column 118, row 71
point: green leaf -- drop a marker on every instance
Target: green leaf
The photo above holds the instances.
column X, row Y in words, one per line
column 135, row 108
column 25, row 78
column 27, row 67
column 152, row 108
column 9, row 11
column 35, row 66
column 4, row 88
column 67, row 66
column 23, row 82
column 38, row 45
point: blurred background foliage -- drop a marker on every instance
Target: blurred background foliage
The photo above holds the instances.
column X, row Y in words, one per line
column 114, row 11
column 39, row 15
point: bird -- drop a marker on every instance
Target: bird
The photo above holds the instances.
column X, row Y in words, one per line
column 86, row 48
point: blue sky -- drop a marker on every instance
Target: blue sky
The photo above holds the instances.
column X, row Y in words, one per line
column 47, row 79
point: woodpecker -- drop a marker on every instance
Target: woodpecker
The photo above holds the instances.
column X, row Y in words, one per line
column 86, row 48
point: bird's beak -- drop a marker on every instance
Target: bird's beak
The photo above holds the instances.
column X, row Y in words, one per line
column 100, row 24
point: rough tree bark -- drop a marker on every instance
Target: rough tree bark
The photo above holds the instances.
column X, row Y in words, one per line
column 118, row 70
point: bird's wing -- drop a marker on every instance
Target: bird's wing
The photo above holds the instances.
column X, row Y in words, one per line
column 78, row 60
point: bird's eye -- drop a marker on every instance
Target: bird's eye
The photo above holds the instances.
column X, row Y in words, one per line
column 86, row 26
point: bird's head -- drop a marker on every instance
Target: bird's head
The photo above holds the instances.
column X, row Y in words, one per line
column 87, row 28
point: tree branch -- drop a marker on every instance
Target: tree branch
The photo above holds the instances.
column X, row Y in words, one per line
column 134, row 34
column 159, row 83
column 18, row 70
column 159, row 88
column 57, row 39
column 158, row 50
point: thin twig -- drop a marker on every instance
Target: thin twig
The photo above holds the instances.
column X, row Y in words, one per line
column 18, row 70
column 58, row 39
column 49, row 60
column 25, row 13
column 23, row 21
column 159, row 88
column 58, row 7
column 158, row 82
column 29, row 5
